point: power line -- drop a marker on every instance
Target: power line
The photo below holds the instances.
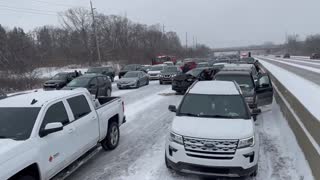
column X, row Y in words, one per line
column 56, row 4
column 27, row 9
column 27, row 12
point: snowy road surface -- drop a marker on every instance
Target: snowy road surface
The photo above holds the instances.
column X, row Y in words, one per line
column 140, row 154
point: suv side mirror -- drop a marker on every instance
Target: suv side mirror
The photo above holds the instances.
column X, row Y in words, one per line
column 51, row 128
column 172, row 108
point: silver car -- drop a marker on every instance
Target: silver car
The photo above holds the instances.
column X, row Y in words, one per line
column 133, row 79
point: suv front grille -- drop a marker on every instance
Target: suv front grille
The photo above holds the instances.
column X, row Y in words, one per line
column 197, row 146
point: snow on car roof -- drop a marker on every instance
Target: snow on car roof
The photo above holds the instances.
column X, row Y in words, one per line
column 37, row 99
column 215, row 88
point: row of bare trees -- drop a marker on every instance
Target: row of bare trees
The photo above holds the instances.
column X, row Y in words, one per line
column 296, row 46
column 121, row 41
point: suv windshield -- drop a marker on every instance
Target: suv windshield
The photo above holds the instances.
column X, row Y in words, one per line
column 79, row 82
column 215, row 106
column 17, row 123
column 170, row 69
column 131, row 74
column 130, row 68
column 156, row 68
column 195, row 72
column 60, row 76
column 245, row 82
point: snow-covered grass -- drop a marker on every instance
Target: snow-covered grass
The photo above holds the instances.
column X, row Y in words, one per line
column 48, row 72
column 294, row 84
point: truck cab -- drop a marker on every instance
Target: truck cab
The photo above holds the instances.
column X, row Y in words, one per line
column 44, row 132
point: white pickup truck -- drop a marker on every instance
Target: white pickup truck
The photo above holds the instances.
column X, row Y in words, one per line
column 41, row 133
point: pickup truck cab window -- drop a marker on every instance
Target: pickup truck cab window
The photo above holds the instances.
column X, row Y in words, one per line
column 215, row 106
column 79, row 106
column 17, row 122
column 55, row 113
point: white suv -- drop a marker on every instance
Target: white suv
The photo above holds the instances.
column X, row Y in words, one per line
column 213, row 133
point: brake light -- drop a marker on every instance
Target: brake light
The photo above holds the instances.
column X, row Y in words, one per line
column 122, row 106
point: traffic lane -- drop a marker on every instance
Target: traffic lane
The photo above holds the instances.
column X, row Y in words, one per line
column 308, row 75
column 137, row 137
column 308, row 64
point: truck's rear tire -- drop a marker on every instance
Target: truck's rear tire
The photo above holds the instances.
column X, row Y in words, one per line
column 111, row 141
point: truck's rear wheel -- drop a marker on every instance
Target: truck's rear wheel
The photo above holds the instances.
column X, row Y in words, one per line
column 111, row 141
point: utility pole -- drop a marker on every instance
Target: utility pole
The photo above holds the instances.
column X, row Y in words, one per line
column 95, row 33
column 186, row 40
column 196, row 42
column 163, row 29
column 193, row 45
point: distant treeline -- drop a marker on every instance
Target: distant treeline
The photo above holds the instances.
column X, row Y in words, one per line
column 120, row 39
column 296, row 46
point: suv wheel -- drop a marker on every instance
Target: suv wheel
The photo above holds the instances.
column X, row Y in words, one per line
column 111, row 141
column 161, row 82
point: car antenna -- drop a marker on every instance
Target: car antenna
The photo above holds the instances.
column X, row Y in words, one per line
column 34, row 101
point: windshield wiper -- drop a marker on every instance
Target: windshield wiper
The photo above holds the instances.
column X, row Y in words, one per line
column 6, row 137
column 219, row 116
column 189, row 114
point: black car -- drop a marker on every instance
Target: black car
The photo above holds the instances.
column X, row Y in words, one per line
column 130, row 67
column 168, row 73
column 287, row 56
column 59, row 80
column 107, row 70
column 315, row 56
column 182, row 82
column 97, row 84
column 2, row 95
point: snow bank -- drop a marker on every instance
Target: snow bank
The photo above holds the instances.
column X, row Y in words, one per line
column 294, row 83
column 280, row 154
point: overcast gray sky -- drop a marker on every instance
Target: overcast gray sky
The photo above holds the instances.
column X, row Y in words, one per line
column 217, row 23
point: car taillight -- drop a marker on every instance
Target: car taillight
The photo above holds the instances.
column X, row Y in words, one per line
column 122, row 106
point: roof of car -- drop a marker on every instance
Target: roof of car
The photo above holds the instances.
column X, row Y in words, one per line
column 91, row 75
column 214, row 88
column 223, row 72
column 37, row 98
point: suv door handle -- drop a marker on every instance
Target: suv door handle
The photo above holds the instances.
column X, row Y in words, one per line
column 93, row 118
column 70, row 131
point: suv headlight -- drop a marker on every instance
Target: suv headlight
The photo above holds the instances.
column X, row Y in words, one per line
column 173, row 75
column 249, row 99
column 248, row 142
column 176, row 138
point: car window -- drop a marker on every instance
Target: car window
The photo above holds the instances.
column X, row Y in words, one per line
column 17, row 122
column 264, row 80
column 94, row 82
column 55, row 113
column 101, row 80
column 79, row 106
column 217, row 106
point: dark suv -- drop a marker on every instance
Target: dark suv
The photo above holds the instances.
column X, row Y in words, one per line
column 168, row 73
column 59, row 80
column 130, row 67
column 2, row 95
column 97, row 84
column 315, row 56
column 107, row 70
column 182, row 82
column 257, row 93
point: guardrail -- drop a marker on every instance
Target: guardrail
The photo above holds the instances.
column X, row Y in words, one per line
column 304, row 125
